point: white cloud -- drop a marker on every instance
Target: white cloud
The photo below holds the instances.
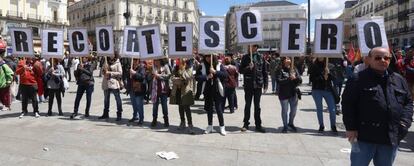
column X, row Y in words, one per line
column 328, row 9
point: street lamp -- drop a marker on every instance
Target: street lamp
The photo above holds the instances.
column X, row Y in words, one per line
column 127, row 14
column 308, row 48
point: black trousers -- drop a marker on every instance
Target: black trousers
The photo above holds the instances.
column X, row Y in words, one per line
column 249, row 95
column 52, row 94
column 185, row 109
column 29, row 92
column 217, row 101
column 199, row 89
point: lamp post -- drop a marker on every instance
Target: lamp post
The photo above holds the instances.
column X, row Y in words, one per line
column 308, row 49
column 127, row 14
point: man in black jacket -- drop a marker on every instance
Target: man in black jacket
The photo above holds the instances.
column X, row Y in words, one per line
column 377, row 111
column 255, row 77
column 85, row 81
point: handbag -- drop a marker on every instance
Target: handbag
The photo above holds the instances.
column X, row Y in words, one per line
column 137, row 86
column 335, row 93
column 299, row 93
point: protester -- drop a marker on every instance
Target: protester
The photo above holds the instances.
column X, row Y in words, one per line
column 409, row 69
column 255, row 77
column 137, row 90
column 6, row 80
column 377, row 111
column 182, row 92
column 288, row 80
column 85, row 82
column 230, row 83
column 54, row 78
column 273, row 68
column 112, row 83
column 160, row 90
column 67, row 63
column 213, row 74
column 322, row 89
column 28, row 71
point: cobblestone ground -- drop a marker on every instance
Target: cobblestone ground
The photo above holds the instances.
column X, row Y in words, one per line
column 88, row 141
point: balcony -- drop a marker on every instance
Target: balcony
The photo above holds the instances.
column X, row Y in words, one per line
column 111, row 12
column 404, row 30
column 149, row 16
column 403, row 15
column 411, row 11
column 11, row 13
column 175, row 18
column 33, row 16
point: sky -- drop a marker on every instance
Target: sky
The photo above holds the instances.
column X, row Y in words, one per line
column 329, row 9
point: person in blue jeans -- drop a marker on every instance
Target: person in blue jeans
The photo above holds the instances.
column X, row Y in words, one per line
column 288, row 80
column 85, row 81
column 137, row 90
column 112, row 83
column 160, row 90
column 321, row 89
column 377, row 111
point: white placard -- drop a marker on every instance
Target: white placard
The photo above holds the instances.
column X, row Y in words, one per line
column 249, row 27
column 212, row 35
column 104, row 40
column 293, row 37
column 180, row 40
column 149, row 40
column 328, row 38
column 52, row 43
column 22, row 42
column 371, row 34
column 78, row 42
column 130, row 44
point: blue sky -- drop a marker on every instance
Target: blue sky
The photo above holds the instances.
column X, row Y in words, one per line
column 329, row 9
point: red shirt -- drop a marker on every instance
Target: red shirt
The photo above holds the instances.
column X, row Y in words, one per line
column 28, row 76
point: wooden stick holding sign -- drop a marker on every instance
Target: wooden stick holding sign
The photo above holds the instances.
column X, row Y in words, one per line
column 326, row 74
column 251, row 53
column 211, row 66
column 292, row 66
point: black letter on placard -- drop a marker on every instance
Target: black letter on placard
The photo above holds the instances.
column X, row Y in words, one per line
column 179, row 39
column 75, row 37
column 325, row 35
column 104, row 39
column 51, row 42
column 208, row 28
column 245, row 25
column 21, row 41
column 293, row 36
column 368, row 35
column 132, row 39
column 148, row 38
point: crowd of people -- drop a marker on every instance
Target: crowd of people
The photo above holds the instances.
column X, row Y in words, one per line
column 376, row 104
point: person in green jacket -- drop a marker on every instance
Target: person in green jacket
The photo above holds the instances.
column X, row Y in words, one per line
column 6, row 78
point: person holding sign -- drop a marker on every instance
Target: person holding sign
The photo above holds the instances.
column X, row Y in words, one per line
column 213, row 74
column 160, row 90
column 28, row 71
column 182, row 92
column 85, row 82
column 321, row 88
column 137, row 90
column 377, row 111
column 54, row 78
column 6, row 80
column 254, row 70
column 288, row 79
column 111, row 83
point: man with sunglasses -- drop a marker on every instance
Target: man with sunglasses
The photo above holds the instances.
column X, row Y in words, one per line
column 377, row 111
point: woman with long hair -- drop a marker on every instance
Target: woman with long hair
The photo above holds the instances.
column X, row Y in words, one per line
column 54, row 81
column 160, row 90
column 213, row 74
column 137, row 89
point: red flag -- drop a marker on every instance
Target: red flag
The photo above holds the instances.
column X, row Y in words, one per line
column 358, row 55
column 351, row 54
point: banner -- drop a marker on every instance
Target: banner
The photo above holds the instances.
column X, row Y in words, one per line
column 130, row 46
column 78, row 42
column 328, row 38
column 180, row 40
column 52, row 43
column 249, row 27
column 104, row 40
column 371, row 34
column 212, row 35
column 22, row 42
column 293, row 37
column 149, row 40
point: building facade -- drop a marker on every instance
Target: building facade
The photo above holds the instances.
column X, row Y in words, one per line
column 398, row 19
column 35, row 14
column 272, row 12
column 91, row 13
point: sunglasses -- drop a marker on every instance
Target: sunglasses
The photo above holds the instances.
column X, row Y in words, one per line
column 386, row 58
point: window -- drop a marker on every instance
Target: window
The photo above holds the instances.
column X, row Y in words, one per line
column 140, row 10
column 175, row 3
column 150, row 11
column 185, row 5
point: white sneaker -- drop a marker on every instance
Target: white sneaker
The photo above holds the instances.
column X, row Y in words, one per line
column 37, row 115
column 223, row 131
column 209, row 129
column 22, row 115
column 6, row 109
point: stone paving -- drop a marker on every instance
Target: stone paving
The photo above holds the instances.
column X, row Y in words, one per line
column 88, row 141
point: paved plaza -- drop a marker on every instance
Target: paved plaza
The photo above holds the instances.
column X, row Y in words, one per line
column 60, row 141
